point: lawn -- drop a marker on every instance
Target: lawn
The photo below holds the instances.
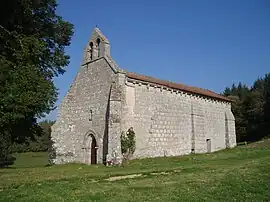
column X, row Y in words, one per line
column 239, row 174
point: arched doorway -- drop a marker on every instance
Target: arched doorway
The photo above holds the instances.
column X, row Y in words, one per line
column 91, row 148
column 93, row 151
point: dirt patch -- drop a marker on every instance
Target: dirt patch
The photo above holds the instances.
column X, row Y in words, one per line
column 260, row 144
column 160, row 173
column 124, row 177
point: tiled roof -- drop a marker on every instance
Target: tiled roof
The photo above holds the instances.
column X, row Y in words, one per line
column 177, row 86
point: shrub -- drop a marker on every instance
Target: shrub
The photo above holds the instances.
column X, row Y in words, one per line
column 128, row 144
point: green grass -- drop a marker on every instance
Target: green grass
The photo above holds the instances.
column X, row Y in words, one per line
column 239, row 174
column 28, row 160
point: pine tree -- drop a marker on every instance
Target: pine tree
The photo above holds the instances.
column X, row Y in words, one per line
column 251, row 108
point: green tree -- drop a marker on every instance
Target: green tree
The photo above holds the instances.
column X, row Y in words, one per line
column 254, row 111
column 227, row 92
column 238, row 94
column 266, row 106
column 45, row 138
column 251, row 108
column 39, row 140
column 32, row 51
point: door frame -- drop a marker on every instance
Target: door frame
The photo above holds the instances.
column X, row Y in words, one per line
column 90, row 141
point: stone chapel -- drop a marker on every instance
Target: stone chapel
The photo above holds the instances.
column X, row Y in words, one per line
column 169, row 119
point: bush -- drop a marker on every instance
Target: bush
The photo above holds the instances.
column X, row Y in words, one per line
column 36, row 145
column 19, row 147
column 128, row 144
column 7, row 160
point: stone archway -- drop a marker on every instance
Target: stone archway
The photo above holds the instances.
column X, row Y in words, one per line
column 91, row 148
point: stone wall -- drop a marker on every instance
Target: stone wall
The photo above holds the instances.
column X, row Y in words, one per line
column 161, row 120
column 169, row 122
column 82, row 114
column 210, row 123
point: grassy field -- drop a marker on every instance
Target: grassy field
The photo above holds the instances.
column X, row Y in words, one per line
column 239, row 174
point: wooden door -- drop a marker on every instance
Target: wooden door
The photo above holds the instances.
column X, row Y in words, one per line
column 93, row 151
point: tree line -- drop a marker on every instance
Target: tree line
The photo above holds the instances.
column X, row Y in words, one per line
column 38, row 141
column 251, row 108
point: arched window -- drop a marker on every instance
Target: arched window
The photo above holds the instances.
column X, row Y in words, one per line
column 98, row 46
column 91, row 50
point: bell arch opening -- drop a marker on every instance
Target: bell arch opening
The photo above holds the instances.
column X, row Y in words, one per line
column 99, row 47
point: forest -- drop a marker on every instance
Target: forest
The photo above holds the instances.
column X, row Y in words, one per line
column 251, row 108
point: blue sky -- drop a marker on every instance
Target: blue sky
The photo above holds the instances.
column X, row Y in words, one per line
column 206, row 43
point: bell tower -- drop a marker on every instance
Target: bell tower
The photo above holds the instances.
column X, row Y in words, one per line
column 98, row 46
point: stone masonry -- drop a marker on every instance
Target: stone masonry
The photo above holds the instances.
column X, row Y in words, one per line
column 168, row 119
